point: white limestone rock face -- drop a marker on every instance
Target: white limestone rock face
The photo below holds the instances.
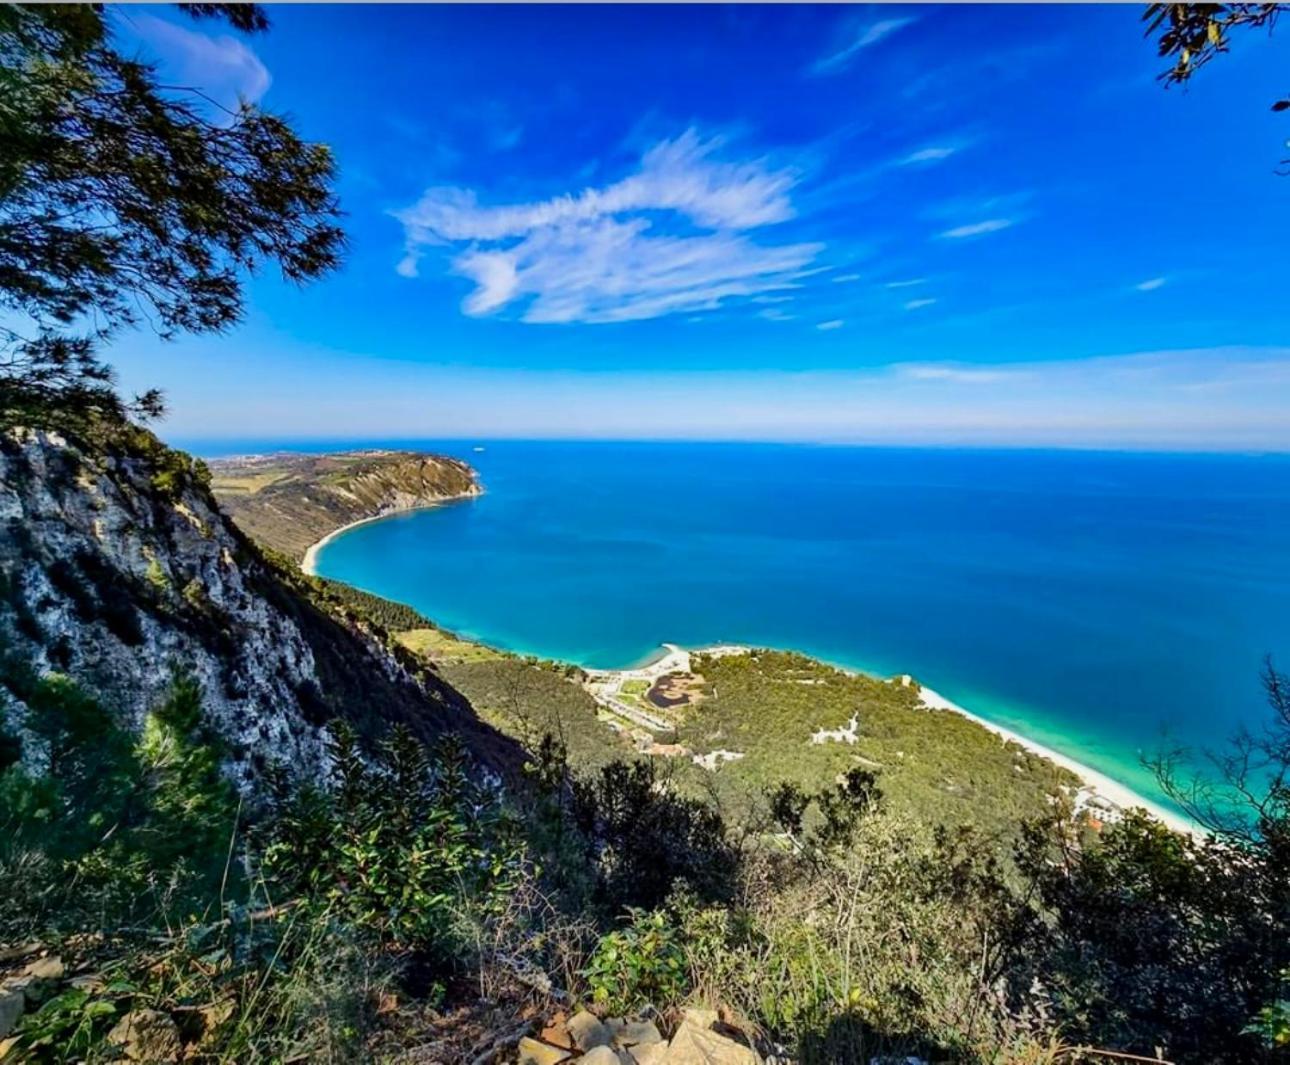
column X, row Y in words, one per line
column 117, row 568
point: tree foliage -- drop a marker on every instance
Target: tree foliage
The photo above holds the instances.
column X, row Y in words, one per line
column 1194, row 34
column 126, row 202
column 1160, row 940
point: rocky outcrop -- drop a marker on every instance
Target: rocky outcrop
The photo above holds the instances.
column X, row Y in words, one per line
column 117, row 567
column 289, row 501
column 585, row 1039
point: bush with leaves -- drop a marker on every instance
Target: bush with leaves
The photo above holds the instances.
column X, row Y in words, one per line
column 124, row 201
column 404, row 847
column 641, row 964
column 1155, row 939
column 643, row 838
column 118, row 824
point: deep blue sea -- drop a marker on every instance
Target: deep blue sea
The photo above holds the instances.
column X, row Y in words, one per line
column 1102, row 603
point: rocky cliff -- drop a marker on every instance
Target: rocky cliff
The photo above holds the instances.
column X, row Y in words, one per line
column 289, row 501
column 118, row 567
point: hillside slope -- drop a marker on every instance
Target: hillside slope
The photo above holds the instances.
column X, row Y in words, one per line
column 118, row 567
column 288, row 501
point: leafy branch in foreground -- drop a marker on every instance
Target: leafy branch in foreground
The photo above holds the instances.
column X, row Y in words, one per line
column 1194, row 34
column 127, row 202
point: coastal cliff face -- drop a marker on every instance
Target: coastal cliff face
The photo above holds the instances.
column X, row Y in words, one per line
column 117, row 567
column 288, row 502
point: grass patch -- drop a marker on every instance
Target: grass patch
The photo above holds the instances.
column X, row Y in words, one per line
column 439, row 646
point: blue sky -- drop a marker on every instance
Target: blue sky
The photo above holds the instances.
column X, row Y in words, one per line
column 897, row 224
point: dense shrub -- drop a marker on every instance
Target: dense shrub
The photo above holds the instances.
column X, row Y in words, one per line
column 644, row 839
column 117, row 824
column 407, row 849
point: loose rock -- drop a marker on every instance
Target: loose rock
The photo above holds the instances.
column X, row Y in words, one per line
column 147, row 1035
column 648, row 1053
column 604, row 1055
column 630, row 1033
column 693, row 1045
column 588, row 1032
column 534, row 1052
column 46, row 969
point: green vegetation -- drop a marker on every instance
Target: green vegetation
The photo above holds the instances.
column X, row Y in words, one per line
column 936, row 766
column 828, row 917
column 530, row 699
column 921, row 891
column 289, row 501
column 125, row 202
column 391, row 616
column 440, row 646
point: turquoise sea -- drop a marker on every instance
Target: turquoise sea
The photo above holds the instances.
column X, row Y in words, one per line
column 1101, row 603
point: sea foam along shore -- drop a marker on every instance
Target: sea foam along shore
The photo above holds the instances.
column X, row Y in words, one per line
column 1095, row 783
column 309, row 564
column 1098, row 784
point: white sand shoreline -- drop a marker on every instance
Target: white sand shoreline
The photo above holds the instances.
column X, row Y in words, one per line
column 309, row 563
column 1095, row 783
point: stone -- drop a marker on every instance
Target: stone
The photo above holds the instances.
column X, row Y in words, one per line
column 698, row 1018
column 588, row 1032
column 556, row 1033
column 630, row 1033
column 648, row 1053
column 46, row 969
column 535, row 1052
column 698, row 1046
column 604, row 1055
column 147, row 1035
column 12, row 1004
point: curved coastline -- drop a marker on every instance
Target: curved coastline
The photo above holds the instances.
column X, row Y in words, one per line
column 1095, row 782
column 309, row 563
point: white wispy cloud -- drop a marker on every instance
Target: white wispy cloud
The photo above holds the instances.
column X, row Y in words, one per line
column 835, row 323
column 222, row 66
column 843, row 279
column 913, row 305
column 600, row 255
column 908, row 283
column 977, row 229
column 926, row 155
column 865, row 37
column 958, row 373
column 1150, row 285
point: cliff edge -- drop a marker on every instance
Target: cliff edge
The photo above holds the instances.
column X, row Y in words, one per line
column 117, row 567
column 289, row 501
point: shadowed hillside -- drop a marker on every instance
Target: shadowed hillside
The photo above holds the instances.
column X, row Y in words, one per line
column 288, row 501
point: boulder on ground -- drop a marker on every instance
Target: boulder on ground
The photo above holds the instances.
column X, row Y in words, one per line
column 147, row 1035
column 535, row 1052
column 693, row 1045
column 630, row 1033
column 588, row 1032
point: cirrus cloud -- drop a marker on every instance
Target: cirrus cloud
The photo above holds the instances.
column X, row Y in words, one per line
column 606, row 254
column 227, row 69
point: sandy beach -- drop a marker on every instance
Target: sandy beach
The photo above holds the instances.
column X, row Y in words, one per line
column 309, row 564
column 1095, row 783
